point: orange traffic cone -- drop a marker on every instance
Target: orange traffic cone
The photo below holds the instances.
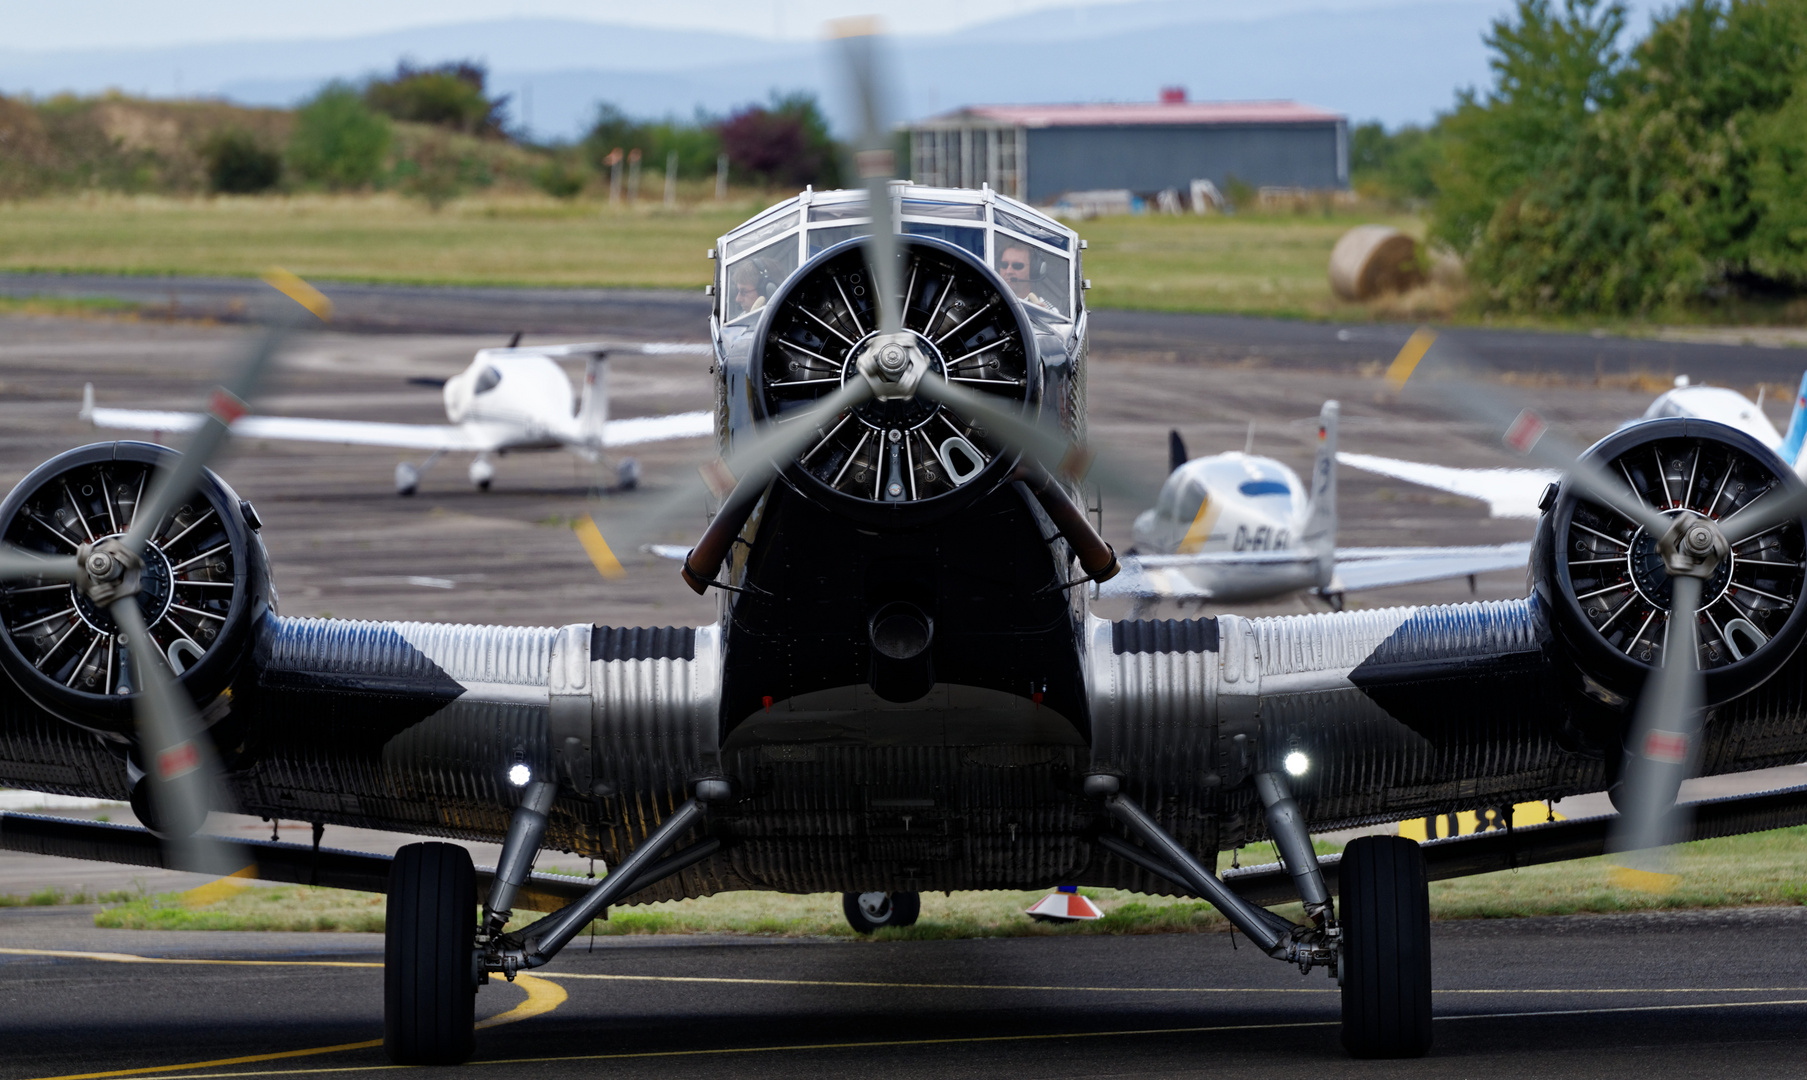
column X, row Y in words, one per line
column 1064, row 903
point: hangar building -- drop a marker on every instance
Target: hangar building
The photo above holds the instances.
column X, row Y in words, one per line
column 1036, row 153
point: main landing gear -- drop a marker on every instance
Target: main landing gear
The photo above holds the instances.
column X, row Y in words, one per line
column 429, row 986
column 435, row 954
column 1379, row 951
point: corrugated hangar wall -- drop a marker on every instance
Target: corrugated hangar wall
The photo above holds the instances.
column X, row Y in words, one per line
column 1150, row 158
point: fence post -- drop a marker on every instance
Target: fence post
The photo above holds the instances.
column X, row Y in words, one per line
column 671, row 179
column 721, row 177
column 614, row 163
column 633, row 175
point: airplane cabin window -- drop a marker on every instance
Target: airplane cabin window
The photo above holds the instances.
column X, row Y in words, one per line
column 1264, row 487
column 838, row 211
column 755, row 278
column 824, row 238
column 488, row 380
column 759, row 234
column 971, row 238
column 1030, row 229
column 957, row 211
column 1037, row 277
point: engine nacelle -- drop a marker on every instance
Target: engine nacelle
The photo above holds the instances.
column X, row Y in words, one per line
column 205, row 583
column 909, row 460
column 1602, row 579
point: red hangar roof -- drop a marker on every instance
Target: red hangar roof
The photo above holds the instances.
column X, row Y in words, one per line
column 1186, row 113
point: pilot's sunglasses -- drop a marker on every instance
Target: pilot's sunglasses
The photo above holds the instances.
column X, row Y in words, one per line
column 1013, row 266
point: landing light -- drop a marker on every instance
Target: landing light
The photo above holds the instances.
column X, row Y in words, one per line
column 1295, row 764
column 519, row 774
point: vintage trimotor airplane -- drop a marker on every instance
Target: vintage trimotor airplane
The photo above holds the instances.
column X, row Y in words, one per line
column 508, row 400
column 906, row 689
column 1236, row 527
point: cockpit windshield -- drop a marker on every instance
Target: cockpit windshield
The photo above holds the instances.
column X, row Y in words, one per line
column 1034, row 254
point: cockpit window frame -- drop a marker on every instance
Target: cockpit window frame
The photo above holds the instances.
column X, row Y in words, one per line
column 812, row 210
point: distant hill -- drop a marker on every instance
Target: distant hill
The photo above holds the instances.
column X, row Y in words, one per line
column 1398, row 64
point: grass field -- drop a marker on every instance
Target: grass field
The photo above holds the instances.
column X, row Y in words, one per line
column 1758, row 869
column 1267, row 264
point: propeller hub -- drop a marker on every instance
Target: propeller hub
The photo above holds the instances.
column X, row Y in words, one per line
column 894, row 365
column 1693, row 546
column 109, row 571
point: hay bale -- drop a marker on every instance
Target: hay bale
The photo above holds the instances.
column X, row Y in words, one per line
column 1373, row 259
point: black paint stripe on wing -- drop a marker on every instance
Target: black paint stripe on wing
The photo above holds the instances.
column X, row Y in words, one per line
column 643, row 643
column 1164, row 636
column 350, row 656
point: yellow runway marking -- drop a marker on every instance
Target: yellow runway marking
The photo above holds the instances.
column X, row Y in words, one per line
column 1150, row 989
column 129, row 958
column 215, row 891
column 1407, row 361
column 542, row 998
column 974, row 1039
column 597, row 548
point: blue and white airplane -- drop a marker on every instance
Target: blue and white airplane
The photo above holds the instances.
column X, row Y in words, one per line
column 1515, row 492
column 1235, row 527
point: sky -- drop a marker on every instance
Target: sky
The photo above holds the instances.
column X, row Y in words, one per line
column 87, row 24
column 71, row 24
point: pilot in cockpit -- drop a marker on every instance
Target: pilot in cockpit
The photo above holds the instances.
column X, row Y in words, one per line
column 747, row 296
column 1014, row 264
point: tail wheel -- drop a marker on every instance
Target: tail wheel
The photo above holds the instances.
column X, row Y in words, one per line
column 429, row 945
column 869, row 911
column 1386, row 965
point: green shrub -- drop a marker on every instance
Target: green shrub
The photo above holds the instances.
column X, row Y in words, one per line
column 560, row 179
column 338, row 141
column 448, row 95
column 237, row 164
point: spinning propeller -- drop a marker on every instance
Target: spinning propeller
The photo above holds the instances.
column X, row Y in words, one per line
column 180, row 764
column 1663, row 744
column 891, row 364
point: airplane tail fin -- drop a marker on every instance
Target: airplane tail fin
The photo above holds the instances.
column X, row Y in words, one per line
column 1797, row 426
column 593, row 405
column 1176, row 451
column 1320, row 519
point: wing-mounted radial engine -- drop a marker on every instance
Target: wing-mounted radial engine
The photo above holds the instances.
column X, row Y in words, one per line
column 902, row 460
column 1602, row 575
column 204, row 583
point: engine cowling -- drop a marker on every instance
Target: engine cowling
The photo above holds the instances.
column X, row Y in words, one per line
column 1602, row 578
column 205, row 583
column 907, row 460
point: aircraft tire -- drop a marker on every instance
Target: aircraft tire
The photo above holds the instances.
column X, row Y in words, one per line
column 1386, row 964
column 429, row 980
column 865, row 913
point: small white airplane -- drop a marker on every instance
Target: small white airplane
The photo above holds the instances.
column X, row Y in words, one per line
column 508, row 400
column 1236, row 527
column 1516, row 492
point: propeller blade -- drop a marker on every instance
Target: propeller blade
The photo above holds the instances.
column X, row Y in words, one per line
column 874, row 157
column 179, row 761
column 1451, row 377
column 1663, row 739
column 1765, row 513
column 16, row 563
column 225, row 406
column 767, row 451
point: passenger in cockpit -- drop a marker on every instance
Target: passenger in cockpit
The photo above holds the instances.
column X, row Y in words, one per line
column 1015, row 262
column 747, row 296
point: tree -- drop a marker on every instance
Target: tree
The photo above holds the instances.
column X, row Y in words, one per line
column 786, row 144
column 238, row 164
column 449, row 95
column 337, row 140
